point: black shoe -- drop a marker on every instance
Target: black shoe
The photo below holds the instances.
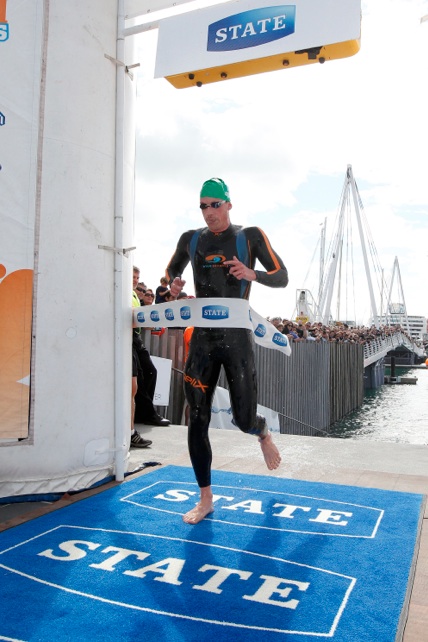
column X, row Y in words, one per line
column 138, row 442
column 156, row 420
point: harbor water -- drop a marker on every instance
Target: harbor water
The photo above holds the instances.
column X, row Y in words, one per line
column 392, row 413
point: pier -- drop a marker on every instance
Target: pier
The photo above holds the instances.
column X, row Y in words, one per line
column 389, row 466
column 319, row 384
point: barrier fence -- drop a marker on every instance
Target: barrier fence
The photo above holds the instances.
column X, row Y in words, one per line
column 316, row 386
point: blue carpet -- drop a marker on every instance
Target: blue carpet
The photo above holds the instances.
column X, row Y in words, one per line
column 278, row 560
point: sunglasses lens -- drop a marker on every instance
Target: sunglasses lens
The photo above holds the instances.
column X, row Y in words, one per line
column 214, row 205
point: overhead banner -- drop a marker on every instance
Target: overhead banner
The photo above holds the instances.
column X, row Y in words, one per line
column 253, row 36
column 20, row 59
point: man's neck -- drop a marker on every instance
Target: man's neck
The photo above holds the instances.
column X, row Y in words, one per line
column 220, row 231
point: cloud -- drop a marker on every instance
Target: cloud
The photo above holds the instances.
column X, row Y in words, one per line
column 282, row 141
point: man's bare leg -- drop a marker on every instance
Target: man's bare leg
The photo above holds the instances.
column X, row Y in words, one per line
column 270, row 451
column 203, row 508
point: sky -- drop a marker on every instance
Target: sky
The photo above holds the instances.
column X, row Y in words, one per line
column 282, row 142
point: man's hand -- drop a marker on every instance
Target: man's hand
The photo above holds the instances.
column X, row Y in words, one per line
column 240, row 271
column 176, row 286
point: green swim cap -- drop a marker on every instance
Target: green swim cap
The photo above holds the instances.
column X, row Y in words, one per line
column 215, row 188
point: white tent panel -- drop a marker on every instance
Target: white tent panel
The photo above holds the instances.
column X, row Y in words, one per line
column 138, row 8
column 74, row 399
column 144, row 8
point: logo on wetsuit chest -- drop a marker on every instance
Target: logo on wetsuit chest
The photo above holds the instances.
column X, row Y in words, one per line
column 215, row 260
column 215, row 312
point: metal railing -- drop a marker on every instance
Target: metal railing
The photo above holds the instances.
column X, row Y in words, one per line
column 380, row 346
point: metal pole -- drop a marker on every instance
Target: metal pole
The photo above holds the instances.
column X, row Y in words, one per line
column 322, row 259
column 119, row 407
column 325, row 303
column 363, row 247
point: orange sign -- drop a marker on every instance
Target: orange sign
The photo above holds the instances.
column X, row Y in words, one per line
column 3, row 10
column 4, row 27
column 15, row 351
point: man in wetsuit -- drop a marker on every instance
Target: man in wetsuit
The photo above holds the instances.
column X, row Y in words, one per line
column 223, row 257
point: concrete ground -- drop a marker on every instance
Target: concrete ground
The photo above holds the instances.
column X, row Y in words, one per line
column 388, row 466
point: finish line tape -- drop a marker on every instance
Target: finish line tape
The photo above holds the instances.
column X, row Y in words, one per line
column 212, row 313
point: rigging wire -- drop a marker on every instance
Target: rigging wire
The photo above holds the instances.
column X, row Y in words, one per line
column 311, row 263
column 377, row 267
column 352, row 264
column 347, row 265
column 333, row 241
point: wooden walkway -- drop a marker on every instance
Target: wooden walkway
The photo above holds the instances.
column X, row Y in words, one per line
column 389, row 466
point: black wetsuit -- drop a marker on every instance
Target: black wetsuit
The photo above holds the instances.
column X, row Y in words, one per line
column 233, row 348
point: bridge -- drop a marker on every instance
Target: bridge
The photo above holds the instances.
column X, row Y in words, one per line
column 341, row 284
column 379, row 347
column 398, row 344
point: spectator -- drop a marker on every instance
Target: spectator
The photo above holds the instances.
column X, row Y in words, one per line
column 145, row 412
column 161, row 291
column 139, row 292
column 148, row 297
column 137, row 441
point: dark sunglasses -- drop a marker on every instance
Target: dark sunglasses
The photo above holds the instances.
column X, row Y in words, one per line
column 214, row 205
column 149, row 294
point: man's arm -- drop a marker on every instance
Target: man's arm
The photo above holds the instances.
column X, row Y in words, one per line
column 276, row 275
column 179, row 261
column 180, row 258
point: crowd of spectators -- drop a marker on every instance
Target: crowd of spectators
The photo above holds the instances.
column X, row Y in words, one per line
column 338, row 333
column 162, row 295
column 294, row 330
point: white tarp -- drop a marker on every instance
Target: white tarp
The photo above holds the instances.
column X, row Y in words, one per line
column 20, row 56
column 163, row 381
column 138, row 8
column 57, row 208
column 221, row 412
column 142, row 8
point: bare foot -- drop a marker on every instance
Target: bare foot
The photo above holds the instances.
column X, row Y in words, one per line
column 270, row 452
column 198, row 513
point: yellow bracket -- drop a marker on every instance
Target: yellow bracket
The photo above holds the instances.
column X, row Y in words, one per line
column 261, row 65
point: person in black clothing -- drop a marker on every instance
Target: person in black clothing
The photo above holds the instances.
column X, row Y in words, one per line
column 223, row 258
column 146, row 377
column 162, row 291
